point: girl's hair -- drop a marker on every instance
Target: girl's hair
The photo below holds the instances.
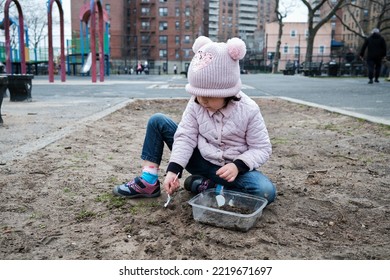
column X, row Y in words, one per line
column 227, row 100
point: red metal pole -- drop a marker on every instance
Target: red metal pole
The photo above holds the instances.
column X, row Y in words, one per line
column 50, row 50
column 8, row 65
column 92, row 41
column 7, row 37
column 101, row 42
column 62, row 34
column 50, row 33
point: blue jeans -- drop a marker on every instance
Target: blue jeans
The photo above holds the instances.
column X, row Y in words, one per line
column 161, row 129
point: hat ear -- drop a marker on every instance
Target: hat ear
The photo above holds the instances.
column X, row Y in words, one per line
column 200, row 42
column 236, row 48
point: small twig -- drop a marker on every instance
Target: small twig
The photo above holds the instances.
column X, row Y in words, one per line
column 49, row 238
column 346, row 157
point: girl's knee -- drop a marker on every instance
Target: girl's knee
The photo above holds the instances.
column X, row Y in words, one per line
column 268, row 191
column 263, row 188
column 156, row 118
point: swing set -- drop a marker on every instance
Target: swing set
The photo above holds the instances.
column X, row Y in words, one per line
column 86, row 16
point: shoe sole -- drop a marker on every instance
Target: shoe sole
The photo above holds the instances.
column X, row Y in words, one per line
column 190, row 180
column 139, row 195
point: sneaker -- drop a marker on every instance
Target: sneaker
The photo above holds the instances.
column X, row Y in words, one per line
column 376, row 81
column 198, row 184
column 138, row 188
column 370, row 81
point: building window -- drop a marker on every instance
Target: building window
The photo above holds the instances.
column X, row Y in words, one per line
column 186, row 39
column 108, row 9
column 177, row 12
column 177, row 54
column 145, row 11
column 187, row 12
column 293, row 33
column 163, row 53
column 285, row 49
column 177, row 25
column 177, row 40
column 187, row 25
column 296, row 51
column 163, row 40
column 187, row 53
column 145, row 25
column 163, row 25
column 145, row 52
column 163, row 12
column 321, row 50
column 145, row 39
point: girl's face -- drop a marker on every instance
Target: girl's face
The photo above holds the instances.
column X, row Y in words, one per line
column 212, row 104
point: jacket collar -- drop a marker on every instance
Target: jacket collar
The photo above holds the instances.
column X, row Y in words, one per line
column 227, row 110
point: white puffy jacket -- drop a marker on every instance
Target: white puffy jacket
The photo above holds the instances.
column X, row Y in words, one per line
column 235, row 132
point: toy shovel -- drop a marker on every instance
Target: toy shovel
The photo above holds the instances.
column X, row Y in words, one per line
column 219, row 197
column 170, row 197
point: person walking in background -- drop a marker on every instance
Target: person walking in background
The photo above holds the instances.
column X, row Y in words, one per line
column 140, row 68
column 175, row 69
column 376, row 51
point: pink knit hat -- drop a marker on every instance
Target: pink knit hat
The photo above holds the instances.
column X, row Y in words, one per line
column 214, row 70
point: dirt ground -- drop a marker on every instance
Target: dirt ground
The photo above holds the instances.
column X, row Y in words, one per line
column 332, row 173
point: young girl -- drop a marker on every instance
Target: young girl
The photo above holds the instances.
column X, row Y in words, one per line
column 222, row 138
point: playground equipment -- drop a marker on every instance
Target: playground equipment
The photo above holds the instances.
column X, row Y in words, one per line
column 97, row 49
column 86, row 16
column 87, row 64
column 97, row 5
column 7, row 37
column 50, row 33
column 19, row 85
column 15, row 54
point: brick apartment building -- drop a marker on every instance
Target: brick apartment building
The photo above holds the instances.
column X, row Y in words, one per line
column 162, row 32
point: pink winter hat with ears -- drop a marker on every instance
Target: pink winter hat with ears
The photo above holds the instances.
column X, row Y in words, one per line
column 214, row 70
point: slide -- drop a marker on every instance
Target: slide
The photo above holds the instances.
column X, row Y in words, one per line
column 87, row 64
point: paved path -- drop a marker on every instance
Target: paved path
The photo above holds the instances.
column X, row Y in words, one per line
column 350, row 96
column 78, row 100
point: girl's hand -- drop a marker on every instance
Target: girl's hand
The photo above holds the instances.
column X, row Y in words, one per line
column 228, row 172
column 171, row 182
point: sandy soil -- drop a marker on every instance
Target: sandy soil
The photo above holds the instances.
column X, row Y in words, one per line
column 332, row 173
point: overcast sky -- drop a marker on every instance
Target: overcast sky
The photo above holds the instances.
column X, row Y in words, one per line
column 297, row 11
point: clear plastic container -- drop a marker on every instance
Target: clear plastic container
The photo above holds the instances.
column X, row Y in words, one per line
column 240, row 211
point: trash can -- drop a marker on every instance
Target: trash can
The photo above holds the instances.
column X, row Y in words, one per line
column 3, row 88
column 20, row 86
column 333, row 69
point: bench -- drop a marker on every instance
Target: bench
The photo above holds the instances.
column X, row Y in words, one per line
column 290, row 69
column 311, row 68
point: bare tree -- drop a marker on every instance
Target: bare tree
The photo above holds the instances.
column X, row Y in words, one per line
column 314, row 7
column 13, row 25
column 367, row 19
column 280, row 16
column 36, row 22
column 281, row 12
